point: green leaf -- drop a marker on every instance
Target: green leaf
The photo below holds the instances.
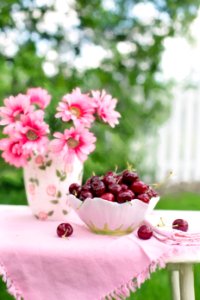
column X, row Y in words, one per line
column 43, row 167
column 50, row 213
column 58, row 173
column 54, row 201
column 48, row 163
column 59, row 194
column 63, row 178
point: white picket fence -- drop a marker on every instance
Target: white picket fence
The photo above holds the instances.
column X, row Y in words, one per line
column 178, row 145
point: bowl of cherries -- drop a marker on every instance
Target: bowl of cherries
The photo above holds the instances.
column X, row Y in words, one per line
column 114, row 204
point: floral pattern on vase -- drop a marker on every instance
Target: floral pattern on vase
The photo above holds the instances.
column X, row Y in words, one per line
column 47, row 179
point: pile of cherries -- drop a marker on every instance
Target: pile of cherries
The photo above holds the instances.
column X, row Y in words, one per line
column 114, row 187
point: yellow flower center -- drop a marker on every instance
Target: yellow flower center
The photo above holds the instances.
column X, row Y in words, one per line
column 72, row 143
column 31, row 135
column 75, row 111
column 17, row 117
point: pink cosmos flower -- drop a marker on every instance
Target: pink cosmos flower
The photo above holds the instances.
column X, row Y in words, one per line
column 106, row 107
column 74, row 142
column 39, row 96
column 51, row 190
column 14, row 108
column 77, row 107
column 33, row 131
column 13, row 152
column 42, row 216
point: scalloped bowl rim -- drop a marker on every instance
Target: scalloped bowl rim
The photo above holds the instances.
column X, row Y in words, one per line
column 84, row 210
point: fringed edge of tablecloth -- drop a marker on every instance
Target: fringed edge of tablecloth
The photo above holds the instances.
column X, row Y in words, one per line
column 11, row 287
column 123, row 292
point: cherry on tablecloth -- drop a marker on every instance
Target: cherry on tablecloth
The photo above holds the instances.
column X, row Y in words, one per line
column 38, row 265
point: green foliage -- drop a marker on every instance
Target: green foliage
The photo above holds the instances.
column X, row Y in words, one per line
column 130, row 69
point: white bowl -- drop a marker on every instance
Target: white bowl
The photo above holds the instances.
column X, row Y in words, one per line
column 105, row 217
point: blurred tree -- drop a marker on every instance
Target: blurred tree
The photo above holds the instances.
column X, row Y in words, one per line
column 111, row 44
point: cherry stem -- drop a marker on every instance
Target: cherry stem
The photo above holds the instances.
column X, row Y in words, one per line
column 162, row 223
column 158, row 184
column 175, row 225
column 130, row 167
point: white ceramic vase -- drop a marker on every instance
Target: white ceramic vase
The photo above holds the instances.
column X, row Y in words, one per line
column 47, row 179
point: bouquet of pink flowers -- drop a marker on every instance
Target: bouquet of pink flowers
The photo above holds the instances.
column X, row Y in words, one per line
column 27, row 133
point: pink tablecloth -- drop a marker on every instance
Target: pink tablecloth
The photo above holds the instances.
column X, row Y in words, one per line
column 36, row 264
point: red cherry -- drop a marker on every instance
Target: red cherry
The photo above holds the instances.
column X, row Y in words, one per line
column 145, row 232
column 114, row 188
column 64, row 230
column 74, row 189
column 144, row 198
column 98, row 188
column 86, row 187
column 94, row 179
column 125, row 196
column 119, row 178
column 129, row 177
column 84, row 195
column 152, row 193
column 109, row 179
column 180, row 224
column 88, row 181
column 139, row 187
column 108, row 197
column 124, row 187
column 110, row 173
column 155, row 194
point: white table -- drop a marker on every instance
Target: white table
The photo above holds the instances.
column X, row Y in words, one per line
column 181, row 267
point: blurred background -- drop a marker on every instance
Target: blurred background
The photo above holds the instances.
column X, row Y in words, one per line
column 146, row 54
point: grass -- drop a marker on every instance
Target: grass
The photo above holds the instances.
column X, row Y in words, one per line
column 159, row 283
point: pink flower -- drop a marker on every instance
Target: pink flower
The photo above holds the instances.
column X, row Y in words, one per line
column 39, row 160
column 31, row 189
column 39, row 96
column 106, row 107
column 33, row 131
column 14, row 108
column 51, row 190
column 77, row 107
column 42, row 216
column 13, row 152
column 75, row 142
